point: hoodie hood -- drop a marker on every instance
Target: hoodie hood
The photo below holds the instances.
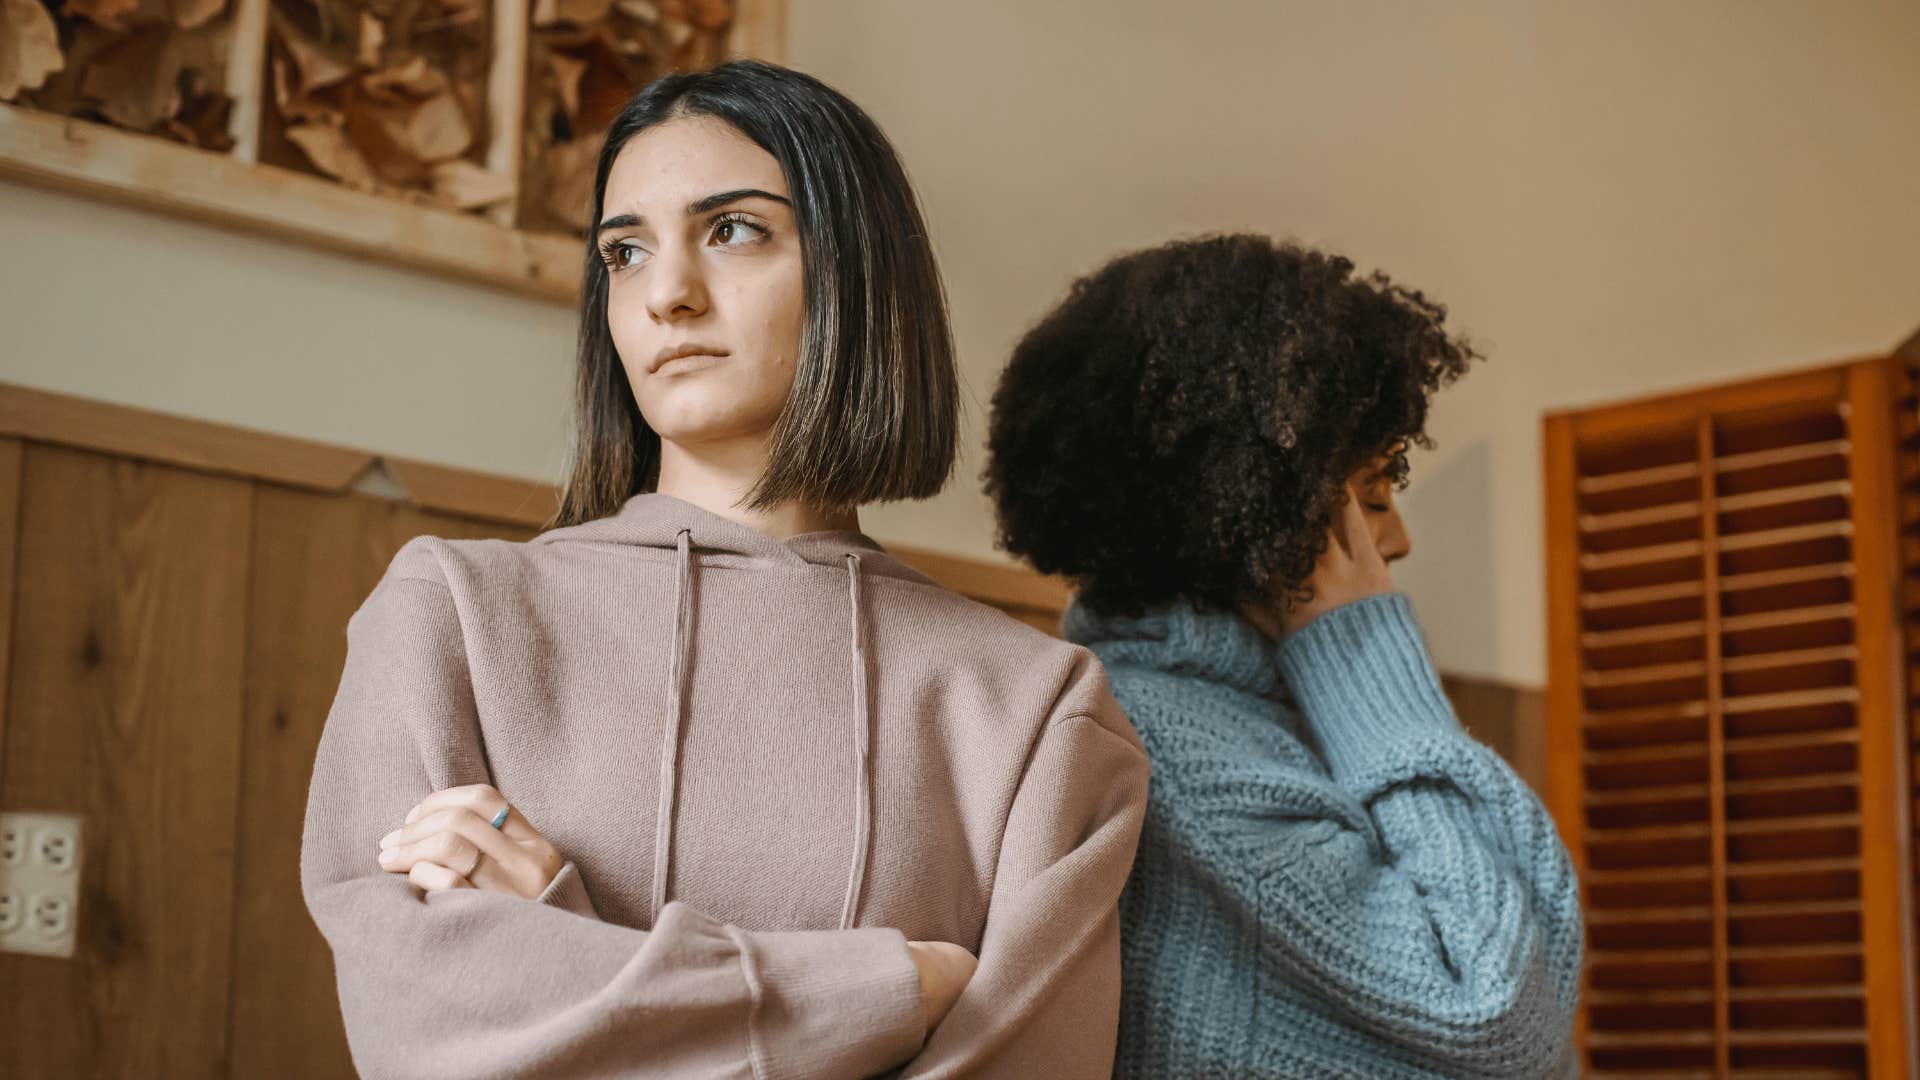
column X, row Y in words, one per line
column 656, row 521
column 699, row 537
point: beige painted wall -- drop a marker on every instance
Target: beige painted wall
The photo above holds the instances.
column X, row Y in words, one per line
column 1613, row 199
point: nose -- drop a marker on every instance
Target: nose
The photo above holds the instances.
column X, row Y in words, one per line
column 1390, row 535
column 675, row 289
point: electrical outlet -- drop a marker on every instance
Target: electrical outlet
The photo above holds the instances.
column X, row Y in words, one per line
column 13, row 842
column 55, row 848
column 52, row 917
column 40, row 856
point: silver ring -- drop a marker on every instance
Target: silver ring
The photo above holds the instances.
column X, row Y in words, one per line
column 500, row 818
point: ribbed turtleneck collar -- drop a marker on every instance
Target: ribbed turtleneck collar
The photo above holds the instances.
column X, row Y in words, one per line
column 1180, row 639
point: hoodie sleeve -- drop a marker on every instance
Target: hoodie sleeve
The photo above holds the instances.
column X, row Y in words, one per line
column 473, row 983
column 1045, row 999
column 1423, row 892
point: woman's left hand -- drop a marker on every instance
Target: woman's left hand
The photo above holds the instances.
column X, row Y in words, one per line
column 449, row 842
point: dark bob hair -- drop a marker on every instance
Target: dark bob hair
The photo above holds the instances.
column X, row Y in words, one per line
column 1183, row 425
column 874, row 408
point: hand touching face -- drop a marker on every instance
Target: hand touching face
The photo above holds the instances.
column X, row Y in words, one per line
column 1366, row 535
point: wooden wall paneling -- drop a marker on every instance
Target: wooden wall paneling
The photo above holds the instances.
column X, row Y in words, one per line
column 10, row 453
column 1507, row 718
column 316, row 558
column 1716, row 742
column 463, row 493
column 1885, row 809
column 1905, row 369
column 1730, row 740
column 125, row 708
column 1788, row 601
column 1565, row 787
column 1634, row 715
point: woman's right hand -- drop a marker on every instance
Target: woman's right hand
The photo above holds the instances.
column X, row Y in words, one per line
column 1351, row 569
column 945, row 969
column 449, row 842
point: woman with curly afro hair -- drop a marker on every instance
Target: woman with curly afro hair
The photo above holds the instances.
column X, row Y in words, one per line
column 1334, row 878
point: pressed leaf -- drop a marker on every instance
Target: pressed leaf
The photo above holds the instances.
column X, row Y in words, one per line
column 467, row 186
column 133, row 81
column 30, row 50
column 566, row 81
column 569, row 189
column 372, row 130
column 188, row 14
column 315, row 65
column 102, row 12
column 427, row 131
column 415, row 80
column 573, row 12
column 710, row 14
column 204, row 115
column 327, row 147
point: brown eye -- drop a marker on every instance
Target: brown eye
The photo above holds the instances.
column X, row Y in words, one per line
column 620, row 254
column 736, row 232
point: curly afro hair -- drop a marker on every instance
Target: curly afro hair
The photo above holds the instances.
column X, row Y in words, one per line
column 1184, row 423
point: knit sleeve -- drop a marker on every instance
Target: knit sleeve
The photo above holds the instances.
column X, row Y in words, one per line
column 1424, row 893
column 469, row 982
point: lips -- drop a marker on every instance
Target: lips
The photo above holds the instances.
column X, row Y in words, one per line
column 682, row 352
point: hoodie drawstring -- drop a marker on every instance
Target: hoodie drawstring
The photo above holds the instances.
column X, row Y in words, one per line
column 676, row 710
column 679, row 662
column 863, row 783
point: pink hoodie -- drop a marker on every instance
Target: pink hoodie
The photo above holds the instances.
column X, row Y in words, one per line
column 770, row 764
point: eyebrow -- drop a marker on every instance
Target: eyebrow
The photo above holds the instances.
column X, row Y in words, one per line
column 699, row 206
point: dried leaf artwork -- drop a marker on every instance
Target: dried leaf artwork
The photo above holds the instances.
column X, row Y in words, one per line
column 156, row 66
column 383, row 95
column 585, row 59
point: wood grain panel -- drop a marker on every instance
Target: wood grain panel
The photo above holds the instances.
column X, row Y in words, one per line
column 316, row 559
column 10, row 453
column 125, row 708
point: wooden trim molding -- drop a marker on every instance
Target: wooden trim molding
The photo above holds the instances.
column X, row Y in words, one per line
column 206, row 446
column 40, row 416
column 1002, row 585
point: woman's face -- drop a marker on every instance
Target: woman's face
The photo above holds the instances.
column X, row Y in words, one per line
column 1375, row 488
column 705, row 292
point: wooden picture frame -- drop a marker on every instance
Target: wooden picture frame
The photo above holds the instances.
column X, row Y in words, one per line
column 236, row 190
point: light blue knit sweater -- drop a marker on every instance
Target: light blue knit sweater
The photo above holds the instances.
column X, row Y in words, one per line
column 1334, row 880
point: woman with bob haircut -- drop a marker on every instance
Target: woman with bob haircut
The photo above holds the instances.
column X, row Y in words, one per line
column 1333, row 878
column 702, row 782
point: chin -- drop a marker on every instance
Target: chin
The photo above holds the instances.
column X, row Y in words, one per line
column 692, row 422
column 697, row 407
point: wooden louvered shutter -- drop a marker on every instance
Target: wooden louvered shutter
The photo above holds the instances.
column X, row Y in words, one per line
column 1728, row 742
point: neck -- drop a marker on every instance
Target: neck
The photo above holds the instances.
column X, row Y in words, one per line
column 717, row 478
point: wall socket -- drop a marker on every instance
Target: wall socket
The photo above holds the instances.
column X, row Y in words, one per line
column 39, row 882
